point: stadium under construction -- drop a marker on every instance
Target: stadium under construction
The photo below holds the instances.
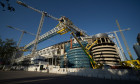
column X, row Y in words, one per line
column 105, row 51
column 94, row 56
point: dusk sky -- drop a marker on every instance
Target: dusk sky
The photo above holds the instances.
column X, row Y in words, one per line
column 93, row 16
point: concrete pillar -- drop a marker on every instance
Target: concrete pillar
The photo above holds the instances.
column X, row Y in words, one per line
column 104, row 40
column 55, row 61
column 49, row 61
column 62, row 52
column 100, row 40
column 52, row 61
column 108, row 40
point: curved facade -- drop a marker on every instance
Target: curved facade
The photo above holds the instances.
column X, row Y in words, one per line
column 77, row 58
column 105, row 51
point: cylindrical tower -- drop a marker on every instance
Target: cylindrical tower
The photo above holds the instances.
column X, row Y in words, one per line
column 105, row 51
column 77, row 57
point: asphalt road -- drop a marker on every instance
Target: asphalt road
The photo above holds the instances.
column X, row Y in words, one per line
column 24, row 77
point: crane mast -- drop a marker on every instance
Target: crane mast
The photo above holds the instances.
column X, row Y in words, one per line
column 40, row 25
column 125, row 58
column 115, row 33
column 124, row 40
column 38, row 33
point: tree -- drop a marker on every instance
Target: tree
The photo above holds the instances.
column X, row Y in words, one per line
column 1, row 47
column 5, row 4
column 7, row 48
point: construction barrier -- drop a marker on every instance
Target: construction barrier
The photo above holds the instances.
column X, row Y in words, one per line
column 117, row 74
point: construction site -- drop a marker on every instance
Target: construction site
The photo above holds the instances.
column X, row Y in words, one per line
column 100, row 55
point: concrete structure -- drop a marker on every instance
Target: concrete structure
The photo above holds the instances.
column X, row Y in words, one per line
column 117, row 74
column 105, row 51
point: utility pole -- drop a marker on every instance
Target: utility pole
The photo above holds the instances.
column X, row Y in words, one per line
column 124, row 40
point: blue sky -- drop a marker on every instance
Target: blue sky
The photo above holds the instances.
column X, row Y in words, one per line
column 93, row 16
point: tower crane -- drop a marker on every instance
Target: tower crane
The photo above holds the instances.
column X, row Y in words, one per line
column 51, row 33
column 64, row 26
column 129, row 63
column 124, row 40
column 40, row 25
column 21, row 36
column 23, row 32
column 115, row 33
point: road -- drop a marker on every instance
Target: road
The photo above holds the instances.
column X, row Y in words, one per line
column 24, row 77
